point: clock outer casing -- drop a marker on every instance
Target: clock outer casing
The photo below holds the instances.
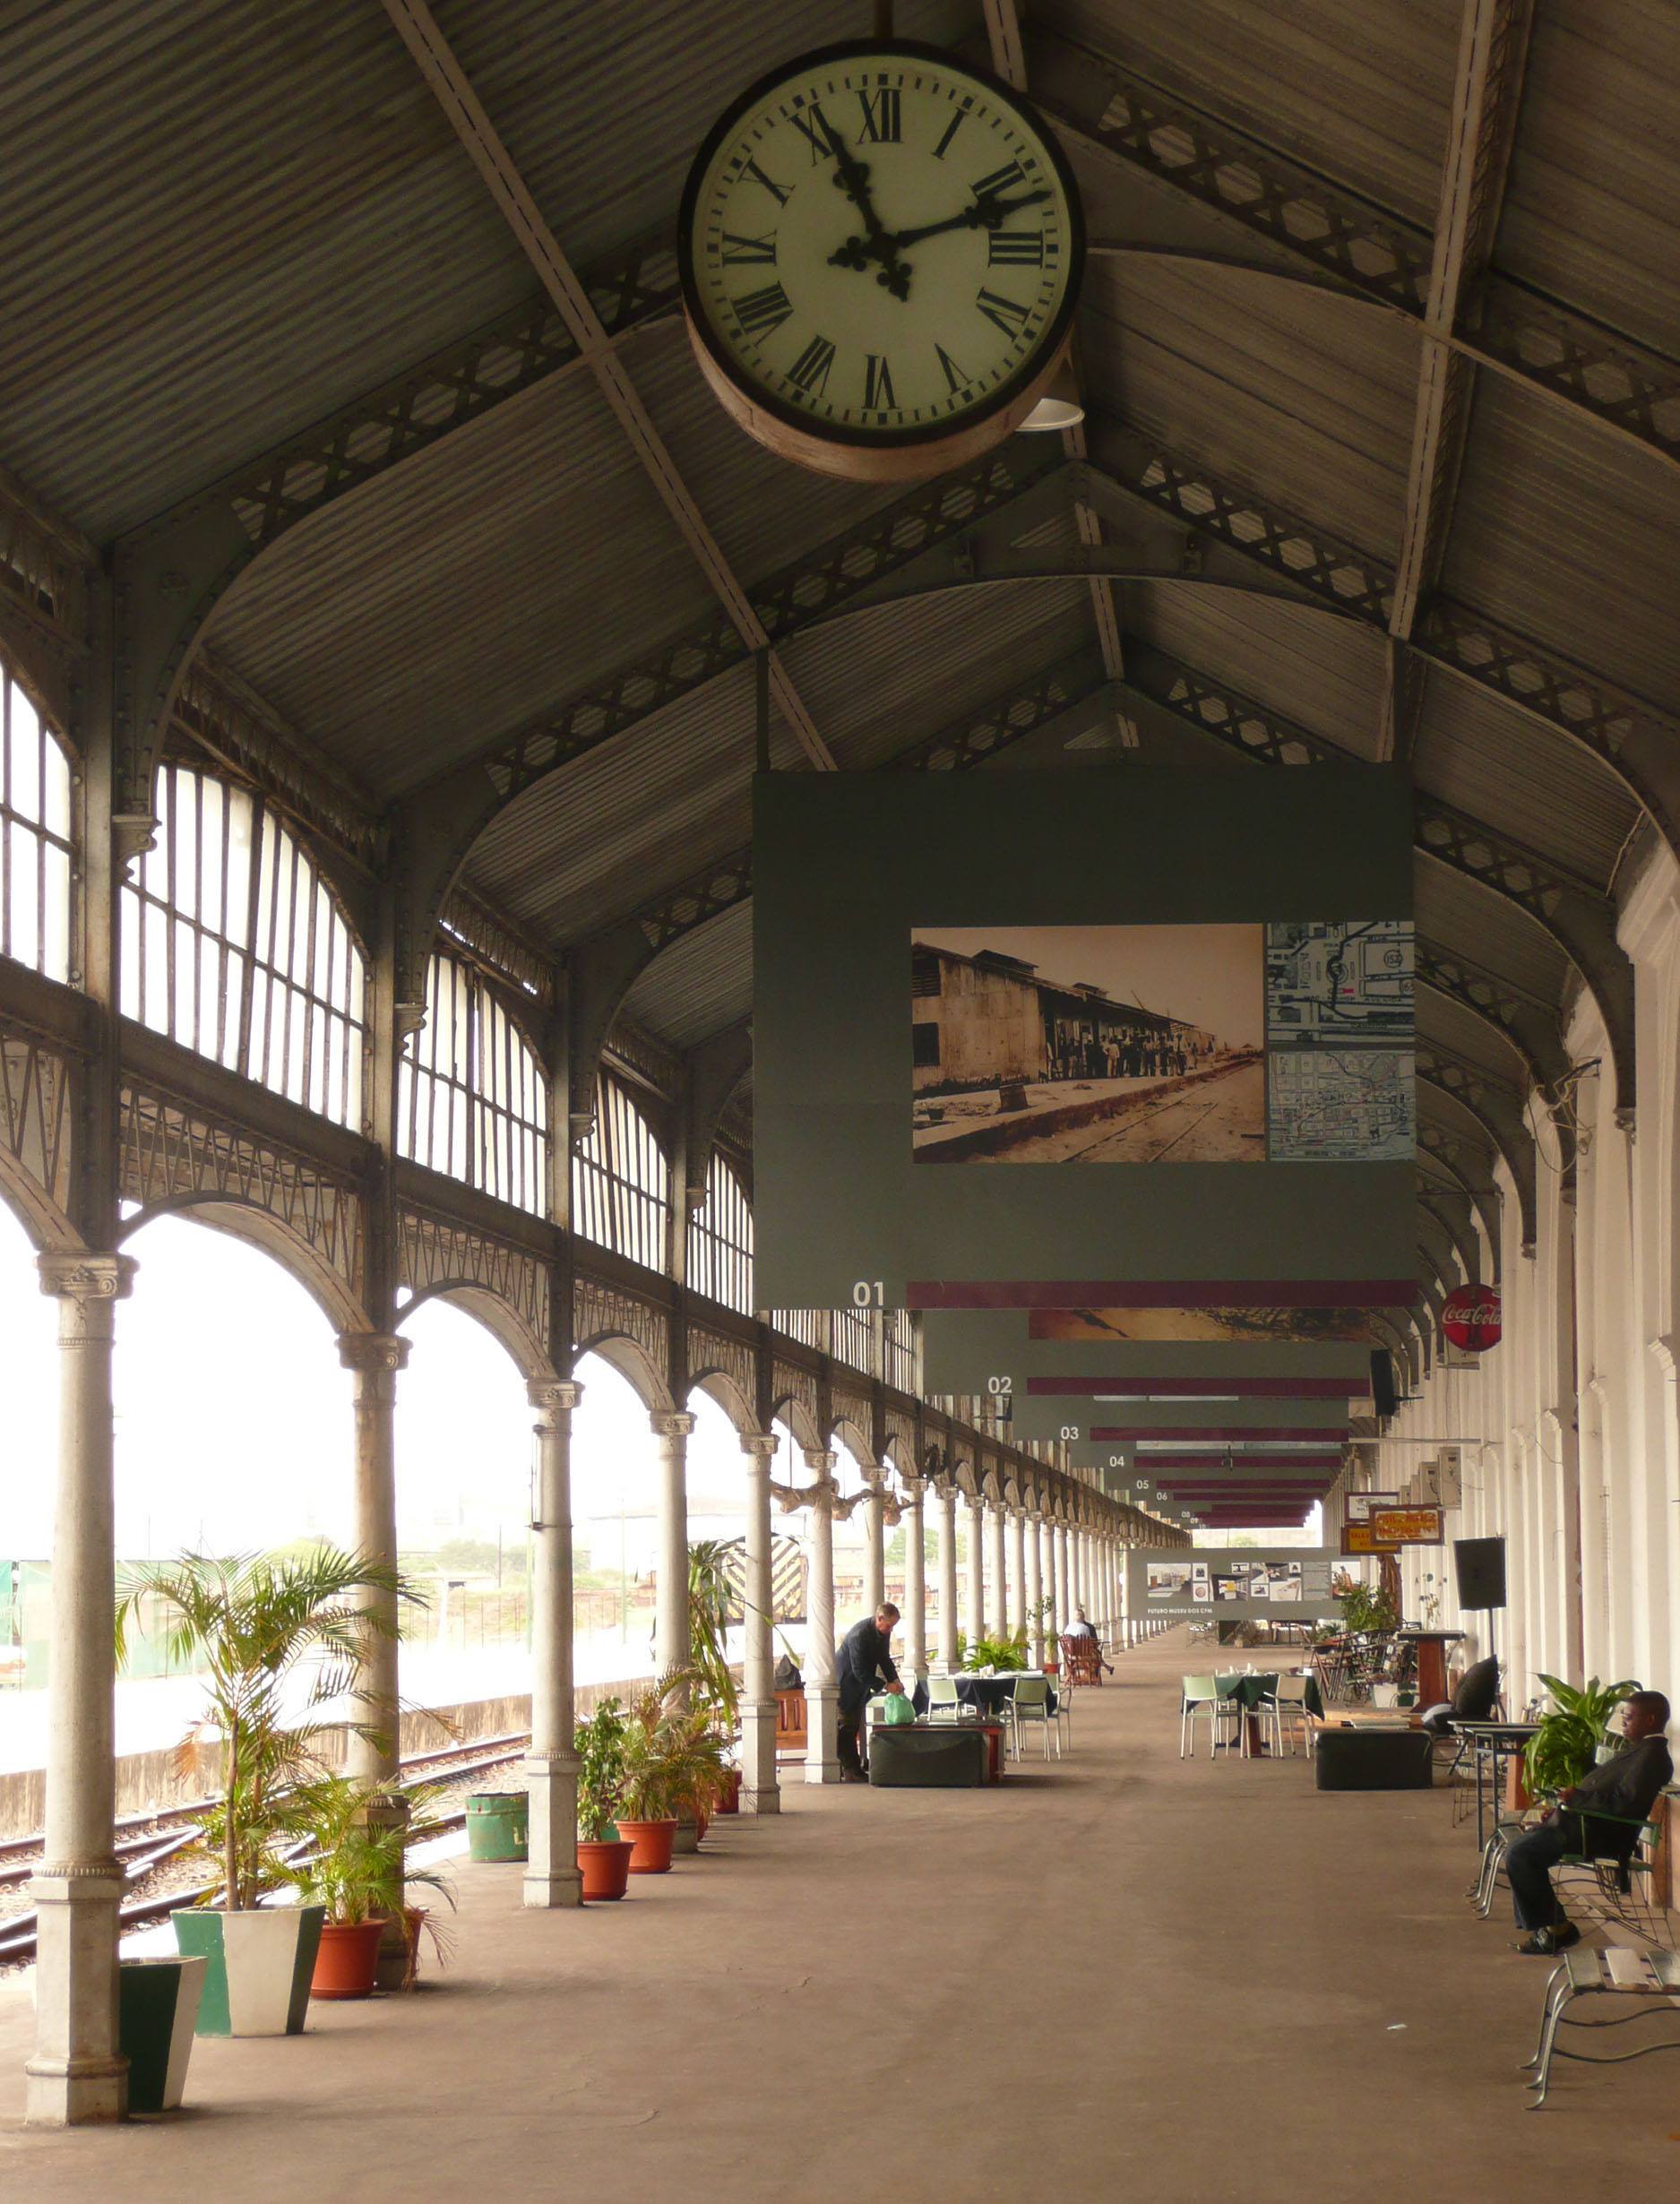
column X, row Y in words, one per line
column 912, row 456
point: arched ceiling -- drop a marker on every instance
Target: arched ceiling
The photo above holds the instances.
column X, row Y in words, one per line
column 1382, row 368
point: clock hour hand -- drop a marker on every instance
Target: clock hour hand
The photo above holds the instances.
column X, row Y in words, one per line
column 852, row 176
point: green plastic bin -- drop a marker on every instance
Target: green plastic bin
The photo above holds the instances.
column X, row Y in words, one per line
column 499, row 1825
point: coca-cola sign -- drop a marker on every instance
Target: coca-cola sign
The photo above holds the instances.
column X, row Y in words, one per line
column 1469, row 1316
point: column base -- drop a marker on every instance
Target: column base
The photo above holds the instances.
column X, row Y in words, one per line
column 77, row 2076
column 551, row 1879
column 759, row 1792
column 821, row 1716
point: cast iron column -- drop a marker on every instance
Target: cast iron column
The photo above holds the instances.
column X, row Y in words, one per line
column 671, row 1641
column 976, row 1568
column 998, row 1570
column 948, row 1662
column 373, row 1359
column 759, row 1791
column 915, row 1662
column 551, row 1768
column 1018, row 1573
column 1035, row 1592
column 77, row 2073
column 874, row 1544
column 821, row 1697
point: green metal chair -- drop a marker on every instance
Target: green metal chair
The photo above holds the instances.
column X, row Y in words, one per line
column 1032, row 1709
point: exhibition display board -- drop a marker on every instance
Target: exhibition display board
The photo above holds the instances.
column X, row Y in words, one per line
column 1203, row 985
column 1229, row 1584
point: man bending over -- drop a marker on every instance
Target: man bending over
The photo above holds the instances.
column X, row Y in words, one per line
column 865, row 1661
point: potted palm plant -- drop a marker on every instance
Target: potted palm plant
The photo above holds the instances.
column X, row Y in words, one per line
column 603, row 1853
column 673, row 1765
column 355, row 1870
column 280, row 1639
column 714, row 1686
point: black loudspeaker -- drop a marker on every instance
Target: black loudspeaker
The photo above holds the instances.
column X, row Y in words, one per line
column 1480, row 1564
column 1383, row 1396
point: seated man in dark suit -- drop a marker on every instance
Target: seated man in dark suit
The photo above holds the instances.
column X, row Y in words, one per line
column 1625, row 1788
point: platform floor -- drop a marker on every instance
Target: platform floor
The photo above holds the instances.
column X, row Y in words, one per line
column 1124, row 1975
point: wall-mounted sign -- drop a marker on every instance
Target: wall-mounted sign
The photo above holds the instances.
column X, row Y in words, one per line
column 1240, row 1584
column 1408, row 1526
column 1470, row 1318
column 1360, row 1505
column 1360, row 1539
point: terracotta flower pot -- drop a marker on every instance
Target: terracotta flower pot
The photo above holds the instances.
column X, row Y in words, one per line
column 650, row 1843
column 348, row 1959
column 730, row 1802
column 604, row 1864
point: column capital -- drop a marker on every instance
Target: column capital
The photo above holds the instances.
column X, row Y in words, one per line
column 818, row 1458
column 85, row 1278
column 762, row 1445
column 671, row 1422
column 553, row 1394
column 375, row 1351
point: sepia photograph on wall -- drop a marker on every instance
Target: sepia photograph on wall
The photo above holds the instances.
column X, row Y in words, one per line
column 1263, row 1327
column 1133, row 1044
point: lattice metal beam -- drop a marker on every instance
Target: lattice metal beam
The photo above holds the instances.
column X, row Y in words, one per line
column 1575, row 915
column 444, row 818
column 1497, row 1109
column 1630, row 389
column 1634, row 737
column 1528, row 1027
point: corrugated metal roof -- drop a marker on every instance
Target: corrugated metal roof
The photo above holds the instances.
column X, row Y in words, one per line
column 1273, row 385
column 701, row 984
column 1566, row 533
column 1457, row 1028
column 1488, row 929
column 1591, row 209
column 222, row 219
column 466, row 592
column 1359, row 89
column 1325, row 675
column 1547, row 790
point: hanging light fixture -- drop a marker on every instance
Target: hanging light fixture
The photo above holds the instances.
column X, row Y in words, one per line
column 1060, row 406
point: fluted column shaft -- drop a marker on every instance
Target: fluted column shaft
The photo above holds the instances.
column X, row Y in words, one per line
column 1035, row 1590
column 915, row 1661
column 998, row 1570
column 976, row 1618
column 875, row 1548
column 948, row 1619
column 551, row 1768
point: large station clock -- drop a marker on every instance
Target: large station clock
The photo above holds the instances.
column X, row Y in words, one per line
column 881, row 250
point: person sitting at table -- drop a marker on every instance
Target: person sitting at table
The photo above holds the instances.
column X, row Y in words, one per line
column 865, row 1662
column 1625, row 1789
column 1084, row 1628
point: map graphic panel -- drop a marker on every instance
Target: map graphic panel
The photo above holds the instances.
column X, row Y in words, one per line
column 1341, row 1106
column 1348, row 981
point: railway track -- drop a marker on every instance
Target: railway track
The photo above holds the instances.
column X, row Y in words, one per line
column 158, row 1839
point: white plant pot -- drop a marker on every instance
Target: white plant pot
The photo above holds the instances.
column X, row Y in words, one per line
column 261, row 1962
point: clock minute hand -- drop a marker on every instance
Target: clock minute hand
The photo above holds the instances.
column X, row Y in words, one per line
column 985, row 214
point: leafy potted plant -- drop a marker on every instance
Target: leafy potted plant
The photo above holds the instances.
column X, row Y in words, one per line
column 714, row 1687
column 1563, row 1748
column 1001, row 1655
column 280, row 1639
column 355, row 1870
column 673, row 1764
column 604, row 1853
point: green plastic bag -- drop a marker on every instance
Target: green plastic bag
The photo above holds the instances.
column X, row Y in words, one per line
column 897, row 1710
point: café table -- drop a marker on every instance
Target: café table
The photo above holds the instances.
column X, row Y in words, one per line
column 1492, row 1744
column 1247, row 1688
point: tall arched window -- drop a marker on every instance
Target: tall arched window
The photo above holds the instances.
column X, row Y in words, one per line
column 620, row 1182
column 721, row 1240
column 472, row 1097
column 37, row 847
column 234, row 946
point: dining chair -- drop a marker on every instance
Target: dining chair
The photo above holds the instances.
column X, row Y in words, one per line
column 1202, row 1695
column 1287, row 1709
column 943, row 1705
column 1032, row 1708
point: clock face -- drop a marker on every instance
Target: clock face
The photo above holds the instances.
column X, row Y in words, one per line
column 879, row 246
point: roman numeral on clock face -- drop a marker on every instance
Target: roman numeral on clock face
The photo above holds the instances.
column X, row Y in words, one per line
column 1011, row 248
column 955, row 380
column 1007, row 314
column 995, row 185
column 877, row 383
column 780, row 193
column 809, row 370
column 815, row 124
column 952, row 128
column 760, row 312
column 749, row 251
column 880, row 122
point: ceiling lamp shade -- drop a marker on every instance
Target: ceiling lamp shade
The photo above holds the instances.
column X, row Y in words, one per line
column 1060, row 406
